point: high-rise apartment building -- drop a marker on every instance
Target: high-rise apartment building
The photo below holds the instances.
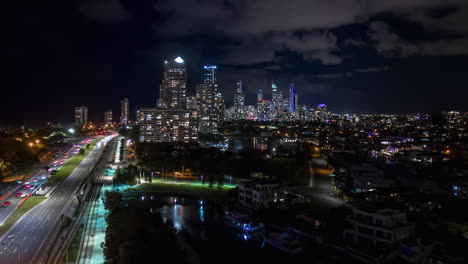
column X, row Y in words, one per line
column 108, row 117
column 124, row 111
column 172, row 92
column 239, row 102
column 210, row 102
column 81, row 116
column 168, row 125
column 175, row 117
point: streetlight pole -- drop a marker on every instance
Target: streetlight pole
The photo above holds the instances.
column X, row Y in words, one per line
column 19, row 250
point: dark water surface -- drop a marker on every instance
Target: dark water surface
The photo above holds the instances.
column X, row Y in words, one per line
column 200, row 225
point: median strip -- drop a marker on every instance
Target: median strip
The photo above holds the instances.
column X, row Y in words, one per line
column 19, row 212
column 4, row 196
column 71, row 165
column 22, row 201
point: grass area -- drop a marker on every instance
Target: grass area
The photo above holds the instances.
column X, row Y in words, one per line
column 71, row 165
column 75, row 244
column 198, row 190
column 20, row 211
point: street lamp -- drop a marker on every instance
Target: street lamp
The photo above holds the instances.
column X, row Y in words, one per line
column 19, row 249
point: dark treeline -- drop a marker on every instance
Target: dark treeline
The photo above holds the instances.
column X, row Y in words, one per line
column 135, row 235
column 212, row 161
column 14, row 156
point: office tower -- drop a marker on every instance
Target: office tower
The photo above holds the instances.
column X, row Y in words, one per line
column 108, row 118
column 264, row 110
column 168, row 125
column 124, row 110
column 210, row 102
column 239, row 102
column 81, row 116
column 172, row 92
column 292, row 98
column 191, row 102
column 209, row 73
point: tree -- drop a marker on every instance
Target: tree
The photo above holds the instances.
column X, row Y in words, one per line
column 112, row 200
column 82, row 151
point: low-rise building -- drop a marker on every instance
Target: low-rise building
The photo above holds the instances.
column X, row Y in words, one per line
column 374, row 229
column 260, row 193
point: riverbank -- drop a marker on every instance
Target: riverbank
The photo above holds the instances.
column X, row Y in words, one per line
column 195, row 190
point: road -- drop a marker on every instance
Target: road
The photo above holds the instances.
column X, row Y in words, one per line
column 14, row 190
column 320, row 184
column 31, row 232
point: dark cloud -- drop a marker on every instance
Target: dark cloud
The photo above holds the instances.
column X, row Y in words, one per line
column 377, row 69
column 334, row 75
column 389, row 43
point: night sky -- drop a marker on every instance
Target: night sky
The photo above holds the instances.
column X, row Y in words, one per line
column 362, row 56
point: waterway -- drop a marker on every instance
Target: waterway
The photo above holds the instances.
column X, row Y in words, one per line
column 200, row 225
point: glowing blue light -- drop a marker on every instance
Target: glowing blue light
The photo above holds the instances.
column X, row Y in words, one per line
column 245, row 237
column 455, row 187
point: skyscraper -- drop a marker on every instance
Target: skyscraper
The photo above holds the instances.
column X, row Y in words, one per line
column 124, row 110
column 239, row 102
column 274, row 91
column 81, row 116
column 209, row 73
column 292, row 98
column 210, row 102
column 172, row 91
column 259, row 95
column 264, row 110
column 108, row 117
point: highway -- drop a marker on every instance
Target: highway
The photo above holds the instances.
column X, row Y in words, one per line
column 32, row 233
column 12, row 191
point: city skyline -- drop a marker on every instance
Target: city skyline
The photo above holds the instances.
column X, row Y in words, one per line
column 363, row 58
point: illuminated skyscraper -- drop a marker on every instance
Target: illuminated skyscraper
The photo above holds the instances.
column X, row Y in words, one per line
column 264, row 110
column 170, row 121
column 239, row 102
column 124, row 110
column 210, row 102
column 108, row 118
column 172, row 92
column 260, row 95
column 209, row 73
column 81, row 116
column 292, row 98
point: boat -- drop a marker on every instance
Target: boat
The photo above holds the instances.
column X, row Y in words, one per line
column 284, row 241
column 242, row 222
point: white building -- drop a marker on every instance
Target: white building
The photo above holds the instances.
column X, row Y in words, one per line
column 260, row 193
column 373, row 229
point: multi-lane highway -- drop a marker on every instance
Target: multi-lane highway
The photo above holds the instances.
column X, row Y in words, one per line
column 14, row 192
column 31, row 235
